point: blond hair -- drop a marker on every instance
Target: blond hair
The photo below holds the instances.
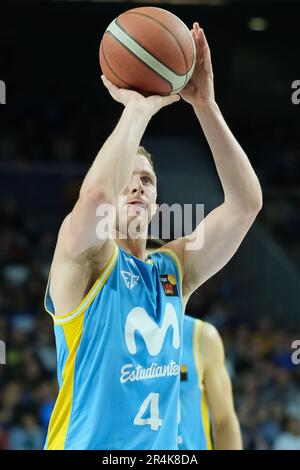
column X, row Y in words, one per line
column 145, row 153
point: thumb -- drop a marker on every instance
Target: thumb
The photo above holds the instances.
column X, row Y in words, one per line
column 170, row 99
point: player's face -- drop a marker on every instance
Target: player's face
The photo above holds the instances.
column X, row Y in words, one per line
column 139, row 198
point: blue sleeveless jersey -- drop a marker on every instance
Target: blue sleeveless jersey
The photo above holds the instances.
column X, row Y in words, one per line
column 194, row 425
column 118, row 358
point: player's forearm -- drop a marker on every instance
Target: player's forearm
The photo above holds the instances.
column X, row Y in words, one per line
column 113, row 166
column 239, row 181
column 227, row 435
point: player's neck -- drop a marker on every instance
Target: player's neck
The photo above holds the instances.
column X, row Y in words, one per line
column 133, row 247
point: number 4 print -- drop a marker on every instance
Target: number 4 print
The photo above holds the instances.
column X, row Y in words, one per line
column 154, row 421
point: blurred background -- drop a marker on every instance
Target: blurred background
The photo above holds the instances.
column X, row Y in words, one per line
column 56, row 118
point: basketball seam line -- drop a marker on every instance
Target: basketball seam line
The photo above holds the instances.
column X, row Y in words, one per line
column 184, row 75
column 150, row 53
column 121, row 79
column 108, row 64
column 136, row 57
column 170, row 32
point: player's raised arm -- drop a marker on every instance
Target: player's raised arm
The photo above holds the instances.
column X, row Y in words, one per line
column 226, row 428
column 226, row 226
column 111, row 169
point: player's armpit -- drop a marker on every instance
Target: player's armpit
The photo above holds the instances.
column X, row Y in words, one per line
column 89, row 224
column 79, row 258
column 212, row 244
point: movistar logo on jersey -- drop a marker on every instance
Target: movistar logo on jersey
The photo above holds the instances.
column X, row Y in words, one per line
column 153, row 335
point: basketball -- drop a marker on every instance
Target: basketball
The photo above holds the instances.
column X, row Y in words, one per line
column 149, row 50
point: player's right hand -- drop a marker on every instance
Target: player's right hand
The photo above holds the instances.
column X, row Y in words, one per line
column 151, row 104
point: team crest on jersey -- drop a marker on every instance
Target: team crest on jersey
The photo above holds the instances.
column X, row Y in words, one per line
column 168, row 281
column 130, row 279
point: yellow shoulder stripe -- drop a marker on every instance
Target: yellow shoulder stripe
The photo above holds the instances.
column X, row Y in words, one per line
column 176, row 260
column 62, row 319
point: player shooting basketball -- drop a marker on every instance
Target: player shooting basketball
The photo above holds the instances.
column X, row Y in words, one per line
column 117, row 321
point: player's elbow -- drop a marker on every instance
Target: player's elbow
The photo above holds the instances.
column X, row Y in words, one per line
column 225, row 423
column 228, row 433
column 248, row 209
column 254, row 200
column 256, row 203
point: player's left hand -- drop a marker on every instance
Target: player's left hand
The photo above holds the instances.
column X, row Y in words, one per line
column 200, row 89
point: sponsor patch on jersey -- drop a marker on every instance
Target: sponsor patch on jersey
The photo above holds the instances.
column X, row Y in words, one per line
column 183, row 373
column 168, row 281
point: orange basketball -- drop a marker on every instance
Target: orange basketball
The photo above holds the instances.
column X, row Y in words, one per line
column 149, row 50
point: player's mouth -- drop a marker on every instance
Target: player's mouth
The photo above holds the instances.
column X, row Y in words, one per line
column 138, row 203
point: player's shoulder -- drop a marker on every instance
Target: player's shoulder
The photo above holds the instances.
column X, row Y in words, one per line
column 64, row 253
column 174, row 248
column 209, row 331
column 211, row 344
column 169, row 254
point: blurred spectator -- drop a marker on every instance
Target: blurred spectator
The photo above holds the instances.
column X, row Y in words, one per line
column 290, row 438
column 27, row 435
column 3, row 439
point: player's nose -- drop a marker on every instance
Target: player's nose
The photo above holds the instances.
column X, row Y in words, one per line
column 137, row 187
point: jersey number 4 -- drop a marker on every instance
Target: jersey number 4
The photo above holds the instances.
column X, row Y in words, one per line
column 153, row 421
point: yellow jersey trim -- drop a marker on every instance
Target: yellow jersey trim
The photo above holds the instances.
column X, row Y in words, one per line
column 176, row 260
column 196, row 344
column 63, row 319
column 206, row 421
column 60, row 418
column 199, row 369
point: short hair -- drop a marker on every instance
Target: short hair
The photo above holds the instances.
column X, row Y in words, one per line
column 145, row 153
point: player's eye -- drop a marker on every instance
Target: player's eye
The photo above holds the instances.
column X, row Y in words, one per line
column 146, row 180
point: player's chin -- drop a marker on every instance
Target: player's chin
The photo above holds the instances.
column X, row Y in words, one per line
column 134, row 210
column 138, row 220
column 138, row 223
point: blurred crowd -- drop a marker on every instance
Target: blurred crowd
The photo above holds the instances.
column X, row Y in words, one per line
column 275, row 154
column 266, row 383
